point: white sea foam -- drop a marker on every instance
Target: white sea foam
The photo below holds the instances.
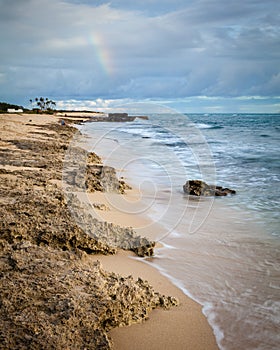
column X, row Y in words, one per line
column 207, row 308
column 166, row 246
column 210, row 314
column 204, row 126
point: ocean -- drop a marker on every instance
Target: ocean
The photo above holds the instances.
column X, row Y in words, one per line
column 222, row 252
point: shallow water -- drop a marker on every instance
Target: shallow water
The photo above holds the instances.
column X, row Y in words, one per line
column 233, row 275
column 224, row 253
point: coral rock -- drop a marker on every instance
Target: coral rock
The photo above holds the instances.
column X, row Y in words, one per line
column 201, row 188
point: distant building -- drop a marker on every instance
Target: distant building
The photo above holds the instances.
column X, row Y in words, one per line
column 12, row 110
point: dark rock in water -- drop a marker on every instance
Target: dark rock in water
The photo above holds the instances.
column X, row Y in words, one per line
column 120, row 117
column 220, row 191
column 124, row 117
column 201, row 188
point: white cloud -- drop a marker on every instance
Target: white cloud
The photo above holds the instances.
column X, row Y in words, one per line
column 99, row 104
column 193, row 104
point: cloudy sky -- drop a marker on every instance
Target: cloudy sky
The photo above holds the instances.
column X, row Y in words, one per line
column 192, row 55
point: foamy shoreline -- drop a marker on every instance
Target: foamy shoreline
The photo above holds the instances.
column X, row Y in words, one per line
column 182, row 327
column 217, row 254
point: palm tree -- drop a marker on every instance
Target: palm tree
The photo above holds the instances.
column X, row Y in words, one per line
column 44, row 104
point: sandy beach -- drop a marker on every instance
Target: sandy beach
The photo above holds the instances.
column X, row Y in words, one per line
column 180, row 327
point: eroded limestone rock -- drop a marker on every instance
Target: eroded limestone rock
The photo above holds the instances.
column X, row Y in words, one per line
column 85, row 171
column 107, row 233
column 201, row 188
column 103, row 178
column 52, row 299
column 93, row 158
column 52, row 296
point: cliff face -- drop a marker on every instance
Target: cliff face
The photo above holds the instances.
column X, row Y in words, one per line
column 51, row 295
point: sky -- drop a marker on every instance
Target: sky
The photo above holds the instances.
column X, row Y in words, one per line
column 196, row 56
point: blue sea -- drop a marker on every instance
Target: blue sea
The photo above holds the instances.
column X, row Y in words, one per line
column 222, row 252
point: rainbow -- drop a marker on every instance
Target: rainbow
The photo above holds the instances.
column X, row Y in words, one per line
column 102, row 53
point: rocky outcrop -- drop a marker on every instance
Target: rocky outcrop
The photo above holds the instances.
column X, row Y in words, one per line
column 85, row 171
column 37, row 210
column 52, row 296
column 52, row 299
column 201, row 188
column 103, row 178
column 123, row 117
column 93, row 158
column 114, row 236
column 111, row 118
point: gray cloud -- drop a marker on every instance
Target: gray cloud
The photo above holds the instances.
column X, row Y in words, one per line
column 152, row 49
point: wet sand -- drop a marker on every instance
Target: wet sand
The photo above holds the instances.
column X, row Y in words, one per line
column 181, row 327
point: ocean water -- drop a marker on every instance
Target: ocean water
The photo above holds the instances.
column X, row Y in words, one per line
column 222, row 252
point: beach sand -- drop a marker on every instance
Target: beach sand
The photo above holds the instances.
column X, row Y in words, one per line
column 181, row 327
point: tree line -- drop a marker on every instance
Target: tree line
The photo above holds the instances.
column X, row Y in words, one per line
column 43, row 104
column 4, row 106
column 40, row 104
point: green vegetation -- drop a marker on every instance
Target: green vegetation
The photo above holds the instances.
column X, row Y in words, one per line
column 4, row 107
column 43, row 104
column 38, row 105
